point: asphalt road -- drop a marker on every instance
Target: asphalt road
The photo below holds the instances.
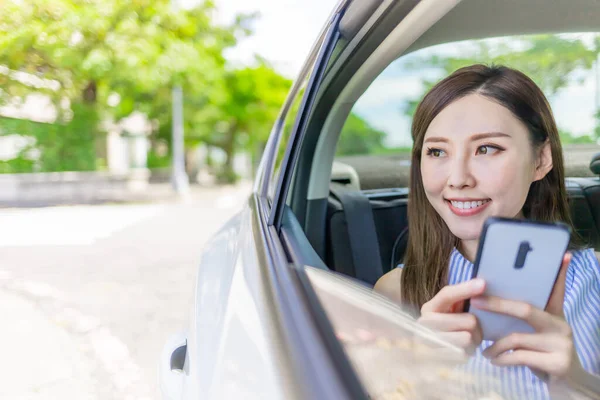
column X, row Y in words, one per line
column 117, row 279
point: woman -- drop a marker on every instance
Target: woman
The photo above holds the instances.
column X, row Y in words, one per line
column 486, row 144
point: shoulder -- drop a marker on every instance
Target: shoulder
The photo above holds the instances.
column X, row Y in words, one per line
column 389, row 285
column 584, row 266
column 586, row 258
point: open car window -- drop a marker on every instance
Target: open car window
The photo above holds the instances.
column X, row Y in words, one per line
column 391, row 354
column 564, row 65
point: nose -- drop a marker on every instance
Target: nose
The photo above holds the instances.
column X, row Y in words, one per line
column 460, row 175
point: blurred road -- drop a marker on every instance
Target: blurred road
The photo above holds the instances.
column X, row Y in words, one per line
column 93, row 292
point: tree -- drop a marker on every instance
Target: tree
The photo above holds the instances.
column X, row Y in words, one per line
column 549, row 60
column 358, row 137
column 241, row 113
column 88, row 51
column 108, row 44
column 568, row 138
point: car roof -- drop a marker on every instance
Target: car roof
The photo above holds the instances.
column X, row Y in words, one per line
column 478, row 19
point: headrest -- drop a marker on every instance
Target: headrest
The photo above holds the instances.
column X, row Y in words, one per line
column 595, row 164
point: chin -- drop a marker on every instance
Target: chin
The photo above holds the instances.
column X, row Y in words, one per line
column 466, row 234
column 466, row 230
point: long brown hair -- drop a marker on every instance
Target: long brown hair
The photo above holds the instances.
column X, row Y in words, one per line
column 430, row 241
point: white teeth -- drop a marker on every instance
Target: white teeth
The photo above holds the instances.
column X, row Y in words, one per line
column 468, row 204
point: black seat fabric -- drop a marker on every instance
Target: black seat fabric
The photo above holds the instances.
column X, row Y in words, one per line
column 391, row 223
column 584, row 202
column 390, row 219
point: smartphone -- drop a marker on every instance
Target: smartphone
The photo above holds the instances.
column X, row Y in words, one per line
column 519, row 260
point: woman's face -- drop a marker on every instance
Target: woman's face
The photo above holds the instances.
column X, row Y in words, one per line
column 477, row 161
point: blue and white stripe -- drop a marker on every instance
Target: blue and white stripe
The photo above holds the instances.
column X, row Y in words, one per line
column 582, row 312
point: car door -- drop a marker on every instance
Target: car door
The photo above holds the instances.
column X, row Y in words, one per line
column 379, row 344
column 251, row 333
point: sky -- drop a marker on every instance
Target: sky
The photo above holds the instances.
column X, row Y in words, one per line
column 381, row 105
column 286, row 29
column 283, row 33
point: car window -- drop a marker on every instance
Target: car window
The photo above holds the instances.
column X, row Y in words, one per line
column 389, row 352
column 565, row 66
column 286, row 131
column 394, row 357
column 299, row 109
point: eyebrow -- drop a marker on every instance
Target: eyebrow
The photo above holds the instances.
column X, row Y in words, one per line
column 477, row 136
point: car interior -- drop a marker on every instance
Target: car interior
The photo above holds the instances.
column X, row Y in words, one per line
column 349, row 214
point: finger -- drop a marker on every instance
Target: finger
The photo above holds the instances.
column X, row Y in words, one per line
column 540, row 320
column 452, row 294
column 557, row 297
column 463, row 339
column 549, row 363
column 449, row 322
column 527, row 341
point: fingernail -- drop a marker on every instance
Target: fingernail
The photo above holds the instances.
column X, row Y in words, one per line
column 478, row 283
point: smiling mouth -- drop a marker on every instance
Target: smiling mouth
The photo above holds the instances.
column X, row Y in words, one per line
column 467, row 208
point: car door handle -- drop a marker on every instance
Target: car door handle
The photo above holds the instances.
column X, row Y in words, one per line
column 172, row 368
column 178, row 358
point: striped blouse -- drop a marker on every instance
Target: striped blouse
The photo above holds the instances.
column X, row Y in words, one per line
column 582, row 312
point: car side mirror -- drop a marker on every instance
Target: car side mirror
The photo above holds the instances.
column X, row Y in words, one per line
column 595, row 164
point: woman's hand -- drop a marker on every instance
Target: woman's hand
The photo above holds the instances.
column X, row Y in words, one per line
column 444, row 314
column 550, row 351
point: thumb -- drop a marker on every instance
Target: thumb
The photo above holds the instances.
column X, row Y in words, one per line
column 557, row 297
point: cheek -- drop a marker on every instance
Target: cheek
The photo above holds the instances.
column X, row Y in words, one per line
column 433, row 177
column 507, row 179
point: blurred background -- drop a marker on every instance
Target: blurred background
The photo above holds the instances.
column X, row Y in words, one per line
column 100, row 235
column 130, row 132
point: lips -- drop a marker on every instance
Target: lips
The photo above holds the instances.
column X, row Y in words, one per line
column 467, row 207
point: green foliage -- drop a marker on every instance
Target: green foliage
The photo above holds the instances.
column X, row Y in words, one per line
column 393, row 150
column 60, row 147
column 568, row 138
column 549, row 60
column 358, row 137
column 155, row 160
column 17, row 165
column 597, row 129
column 88, row 51
column 241, row 114
column 142, row 45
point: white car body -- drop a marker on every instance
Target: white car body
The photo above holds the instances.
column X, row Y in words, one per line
column 256, row 328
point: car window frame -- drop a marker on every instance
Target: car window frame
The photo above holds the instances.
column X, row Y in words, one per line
column 314, row 73
column 276, row 136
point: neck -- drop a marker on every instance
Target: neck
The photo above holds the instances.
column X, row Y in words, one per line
column 468, row 248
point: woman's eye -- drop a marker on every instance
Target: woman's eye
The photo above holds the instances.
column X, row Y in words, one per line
column 487, row 149
column 435, row 152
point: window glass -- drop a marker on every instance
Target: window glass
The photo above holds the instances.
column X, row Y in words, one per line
column 393, row 356
column 288, row 126
column 396, row 358
column 565, row 66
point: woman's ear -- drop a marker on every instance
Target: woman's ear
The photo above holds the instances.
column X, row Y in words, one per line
column 544, row 161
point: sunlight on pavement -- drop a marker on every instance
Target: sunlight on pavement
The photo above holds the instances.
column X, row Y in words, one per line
column 69, row 226
column 55, row 367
